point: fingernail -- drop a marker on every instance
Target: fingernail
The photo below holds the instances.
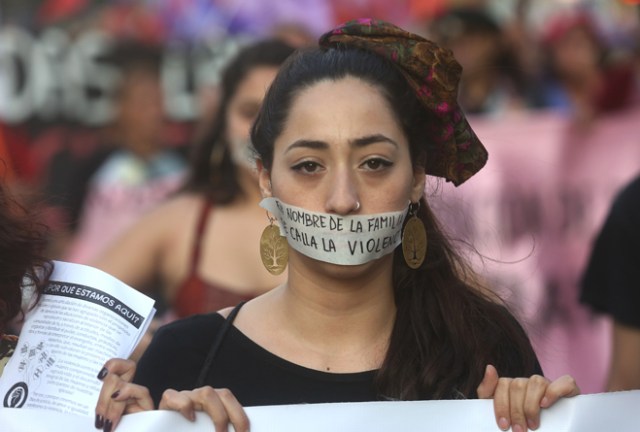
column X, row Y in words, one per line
column 544, row 403
column 517, row 428
column 503, row 423
column 107, row 426
column 103, row 373
column 532, row 425
column 115, row 394
column 99, row 421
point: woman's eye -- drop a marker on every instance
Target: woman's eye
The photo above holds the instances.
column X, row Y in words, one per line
column 249, row 114
column 377, row 164
column 307, row 167
column 248, row 110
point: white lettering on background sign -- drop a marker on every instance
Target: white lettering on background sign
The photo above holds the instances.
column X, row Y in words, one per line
column 52, row 76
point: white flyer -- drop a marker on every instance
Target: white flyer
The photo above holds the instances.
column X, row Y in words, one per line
column 84, row 318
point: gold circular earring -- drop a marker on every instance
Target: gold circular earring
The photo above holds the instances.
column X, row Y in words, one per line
column 274, row 249
column 414, row 238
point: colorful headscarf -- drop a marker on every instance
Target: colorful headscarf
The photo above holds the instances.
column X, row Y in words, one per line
column 455, row 152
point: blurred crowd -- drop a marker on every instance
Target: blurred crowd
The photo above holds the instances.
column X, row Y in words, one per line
column 103, row 103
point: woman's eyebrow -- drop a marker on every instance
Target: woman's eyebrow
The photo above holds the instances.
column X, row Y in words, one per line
column 310, row 144
column 356, row 142
column 372, row 139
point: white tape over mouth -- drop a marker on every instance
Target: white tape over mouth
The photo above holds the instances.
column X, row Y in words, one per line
column 344, row 240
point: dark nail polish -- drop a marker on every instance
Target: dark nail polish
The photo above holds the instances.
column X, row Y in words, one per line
column 99, row 421
column 107, row 426
column 115, row 394
column 103, row 373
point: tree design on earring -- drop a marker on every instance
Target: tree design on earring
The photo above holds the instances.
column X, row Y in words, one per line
column 274, row 249
column 414, row 240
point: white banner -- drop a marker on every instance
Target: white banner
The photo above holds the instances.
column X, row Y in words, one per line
column 585, row 413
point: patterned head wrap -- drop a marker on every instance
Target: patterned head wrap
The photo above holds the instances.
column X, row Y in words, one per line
column 455, row 152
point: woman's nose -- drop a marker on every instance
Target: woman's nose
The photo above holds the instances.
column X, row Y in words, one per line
column 342, row 195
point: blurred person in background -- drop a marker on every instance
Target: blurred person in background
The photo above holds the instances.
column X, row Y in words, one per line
column 199, row 246
column 492, row 80
column 582, row 77
column 610, row 285
column 140, row 170
column 545, row 195
column 19, row 168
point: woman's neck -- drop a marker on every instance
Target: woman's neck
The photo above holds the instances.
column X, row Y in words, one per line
column 144, row 146
column 343, row 321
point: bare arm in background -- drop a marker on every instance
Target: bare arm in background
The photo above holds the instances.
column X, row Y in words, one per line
column 624, row 372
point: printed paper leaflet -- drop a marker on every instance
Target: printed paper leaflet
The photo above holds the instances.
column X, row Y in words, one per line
column 84, row 318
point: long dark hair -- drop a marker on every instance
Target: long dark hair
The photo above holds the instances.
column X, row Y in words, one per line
column 220, row 183
column 22, row 263
column 446, row 330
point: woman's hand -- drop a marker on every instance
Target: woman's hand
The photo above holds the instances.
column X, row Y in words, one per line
column 221, row 405
column 118, row 396
column 517, row 401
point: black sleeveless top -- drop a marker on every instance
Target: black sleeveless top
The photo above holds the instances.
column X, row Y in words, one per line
column 209, row 350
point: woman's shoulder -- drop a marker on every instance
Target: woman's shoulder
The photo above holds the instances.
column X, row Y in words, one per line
column 177, row 211
column 192, row 335
column 192, row 332
column 193, row 325
column 179, row 203
column 225, row 312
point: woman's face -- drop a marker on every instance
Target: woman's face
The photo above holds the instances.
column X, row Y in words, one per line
column 140, row 109
column 243, row 108
column 342, row 151
column 575, row 53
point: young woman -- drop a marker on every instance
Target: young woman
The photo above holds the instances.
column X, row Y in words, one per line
column 346, row 136
column 197, row 247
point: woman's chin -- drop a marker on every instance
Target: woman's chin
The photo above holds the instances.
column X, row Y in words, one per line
column 346, row 272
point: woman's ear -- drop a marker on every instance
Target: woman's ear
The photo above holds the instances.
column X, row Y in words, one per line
column 264, row 179
column 419, row 184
